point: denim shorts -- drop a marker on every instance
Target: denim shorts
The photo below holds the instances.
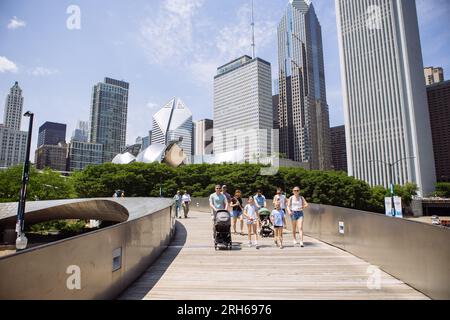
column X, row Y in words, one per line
column 236, row 214
column 297, row 215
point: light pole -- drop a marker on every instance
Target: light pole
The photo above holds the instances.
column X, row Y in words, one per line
column 22, row 241
column 391, row 179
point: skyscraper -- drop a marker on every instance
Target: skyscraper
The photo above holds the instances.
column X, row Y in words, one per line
column 51, row 133
column 204, row 137
column 109, row 111
column 338, row 148
column 82, row 154
column 81, row 132
column 52, row 156
column 13, row 142
column 173, row 123
column 13, row 108
column 243, row 108
column 439, row 106
column 303, row 111
column 433, row 75
column 385, row 104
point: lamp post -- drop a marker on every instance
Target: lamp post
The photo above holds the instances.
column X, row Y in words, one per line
column 22, row 241
column 391, row 179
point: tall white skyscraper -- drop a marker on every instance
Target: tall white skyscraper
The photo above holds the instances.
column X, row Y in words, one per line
column 386, row 111
column 243, row 108
column 13, row 142
column 304, row 120
column 13, row 108
column 173, row 123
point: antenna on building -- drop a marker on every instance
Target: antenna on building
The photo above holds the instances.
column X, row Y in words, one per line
column 253, row 33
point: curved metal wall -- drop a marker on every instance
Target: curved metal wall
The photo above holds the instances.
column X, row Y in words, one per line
column 42, row 273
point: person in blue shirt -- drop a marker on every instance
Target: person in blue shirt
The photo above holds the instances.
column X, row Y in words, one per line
column 177, row 199
column 260, row 203
column 217, row 202
column 278, row 220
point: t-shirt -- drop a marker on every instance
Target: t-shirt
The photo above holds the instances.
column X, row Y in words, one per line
column 228, row 196
column 237, row 208
column 251, row 211
column 186, row 198
column 278, row 216
column 260, row 200
column 282, row 200
column 177, row 198
column 218, row 201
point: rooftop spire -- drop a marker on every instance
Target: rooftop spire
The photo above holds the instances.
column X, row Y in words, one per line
column 253, row 32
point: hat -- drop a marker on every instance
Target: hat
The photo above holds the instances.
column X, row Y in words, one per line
column 224, row 186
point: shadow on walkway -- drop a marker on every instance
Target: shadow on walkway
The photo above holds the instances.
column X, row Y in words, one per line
column 143, row 285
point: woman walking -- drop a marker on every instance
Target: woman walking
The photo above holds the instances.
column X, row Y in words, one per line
column 252, row 216
column 296, row 205
column 186, row 202
column 236, row 213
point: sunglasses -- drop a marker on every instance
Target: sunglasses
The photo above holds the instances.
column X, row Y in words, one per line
column 296, row 190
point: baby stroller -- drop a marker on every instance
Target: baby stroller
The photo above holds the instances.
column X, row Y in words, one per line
column 222, row 230
column 266, row 225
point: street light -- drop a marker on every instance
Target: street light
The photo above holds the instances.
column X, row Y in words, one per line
column 391, row 179
column 22, row 241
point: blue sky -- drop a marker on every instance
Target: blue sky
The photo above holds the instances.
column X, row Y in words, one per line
column 163, row 48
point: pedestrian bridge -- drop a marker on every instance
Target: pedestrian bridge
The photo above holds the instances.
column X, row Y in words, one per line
column 348, row 255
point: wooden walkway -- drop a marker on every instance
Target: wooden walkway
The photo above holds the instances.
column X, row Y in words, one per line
column 190, row 269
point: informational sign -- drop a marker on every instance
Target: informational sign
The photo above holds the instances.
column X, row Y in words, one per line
column 341, row 227
column 398, row 213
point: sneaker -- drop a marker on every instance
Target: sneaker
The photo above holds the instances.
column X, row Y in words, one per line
column 257, row 247
column 281, row 247
column 295, row 242
column 249, row 244
column 301, row 244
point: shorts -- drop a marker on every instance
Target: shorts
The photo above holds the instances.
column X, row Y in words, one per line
column 251, row 222
column 279, row 227
column 297, row 215
column 236, row 214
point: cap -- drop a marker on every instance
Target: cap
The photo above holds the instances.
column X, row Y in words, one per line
column 224, row 186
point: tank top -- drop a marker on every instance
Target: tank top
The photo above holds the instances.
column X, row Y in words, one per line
column 296, row 204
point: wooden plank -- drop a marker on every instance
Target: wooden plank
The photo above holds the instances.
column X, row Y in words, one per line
column 190, row 269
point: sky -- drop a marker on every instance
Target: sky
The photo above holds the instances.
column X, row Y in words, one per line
column 163, row 48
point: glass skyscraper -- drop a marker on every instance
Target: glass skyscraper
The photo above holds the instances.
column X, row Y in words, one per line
column 386, row 112
column 51, row 133
column 303, row 111
column 109, row 110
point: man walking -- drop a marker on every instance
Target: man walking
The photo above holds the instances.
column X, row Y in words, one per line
column 217, row 201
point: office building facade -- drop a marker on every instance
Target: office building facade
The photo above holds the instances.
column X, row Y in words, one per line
column 303, row 111
column 243, row 109
column 82, row 154
column 109, row 111
column 51, row 134
column 386, row 112
column 439, row 106
column 173, row 123
column 338, row 148
column 13, row 108
column 52, row 157
column 81, row 132
column 13, row 142
column 433, row 75
column 204, row 144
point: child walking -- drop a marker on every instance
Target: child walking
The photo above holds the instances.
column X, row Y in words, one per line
column 252, row 216
column 278, row 220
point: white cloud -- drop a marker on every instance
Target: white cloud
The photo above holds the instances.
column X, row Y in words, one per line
column 7, row 65
column 152, row 105
column 16, row 23
column 176, row 36
column 43, row 72
column 168, row 38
